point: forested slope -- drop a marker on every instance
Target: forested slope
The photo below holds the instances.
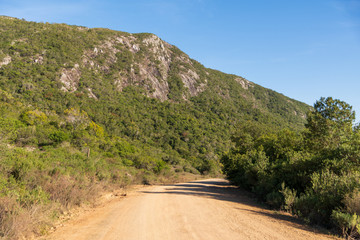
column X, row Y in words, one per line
column 314, row 173
column 82, row 107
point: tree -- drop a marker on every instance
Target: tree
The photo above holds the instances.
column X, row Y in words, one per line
column 329, row 125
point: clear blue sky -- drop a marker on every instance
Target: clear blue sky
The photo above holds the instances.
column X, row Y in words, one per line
column 304, row 49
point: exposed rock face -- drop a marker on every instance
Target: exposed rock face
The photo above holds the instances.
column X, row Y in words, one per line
column 245, row 84
column 91, row 94
column 302, row 115
column 162, row 53
column 158, row 74
column 156, row 84
column 70, row 78
column 5, row 61
column 190, row 81
column 150, row 71
column 38, row 59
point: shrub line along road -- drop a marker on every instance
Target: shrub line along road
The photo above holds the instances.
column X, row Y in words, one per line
column 205, row 209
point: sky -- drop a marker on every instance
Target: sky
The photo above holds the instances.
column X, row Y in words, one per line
column 304, row 49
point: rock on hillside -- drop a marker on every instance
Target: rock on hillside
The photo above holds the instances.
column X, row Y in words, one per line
column 146, row 61
column 45, row 60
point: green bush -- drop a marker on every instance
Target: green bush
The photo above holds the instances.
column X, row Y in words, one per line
column 58, row 136
column 289, row 197
column 314, row 174
column 348, row 223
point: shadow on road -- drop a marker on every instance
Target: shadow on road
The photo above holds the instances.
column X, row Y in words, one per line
column 221, row 190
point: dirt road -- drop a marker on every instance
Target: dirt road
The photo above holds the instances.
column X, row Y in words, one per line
column 208, row 209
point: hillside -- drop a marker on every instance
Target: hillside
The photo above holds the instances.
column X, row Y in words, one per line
column 79, row 106
column 54, row 67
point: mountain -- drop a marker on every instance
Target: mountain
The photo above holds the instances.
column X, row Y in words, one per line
column 79, row 106
column 135, row 86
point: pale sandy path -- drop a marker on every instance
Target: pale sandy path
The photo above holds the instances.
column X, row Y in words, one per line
column 207, row 209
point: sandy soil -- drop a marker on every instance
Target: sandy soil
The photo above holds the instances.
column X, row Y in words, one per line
column 206, row 209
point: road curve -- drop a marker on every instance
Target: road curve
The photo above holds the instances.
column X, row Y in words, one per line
column 206, row 210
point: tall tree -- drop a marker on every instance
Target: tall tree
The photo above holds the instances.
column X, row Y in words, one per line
column 329, row 125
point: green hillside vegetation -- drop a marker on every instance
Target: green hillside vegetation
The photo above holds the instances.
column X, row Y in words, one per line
column 81, row 110
column 314, row 173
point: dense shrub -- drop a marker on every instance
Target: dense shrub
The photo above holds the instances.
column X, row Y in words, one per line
column 314, row 174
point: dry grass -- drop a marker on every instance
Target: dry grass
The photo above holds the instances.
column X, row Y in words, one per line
column 23, row 221
column 352, row 203
column 18, row 222
column 70, row 192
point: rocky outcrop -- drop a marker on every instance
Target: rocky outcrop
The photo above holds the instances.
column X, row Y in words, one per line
column 161, row 51
column 149, row 61
column 70, row 78
column 190, row 80
column 6, row 60
column 39, row 59
column 245, row 84
column 91, row 94
column 165, row 57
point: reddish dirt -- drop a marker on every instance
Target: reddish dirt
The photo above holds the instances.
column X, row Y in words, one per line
column 205, row 209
